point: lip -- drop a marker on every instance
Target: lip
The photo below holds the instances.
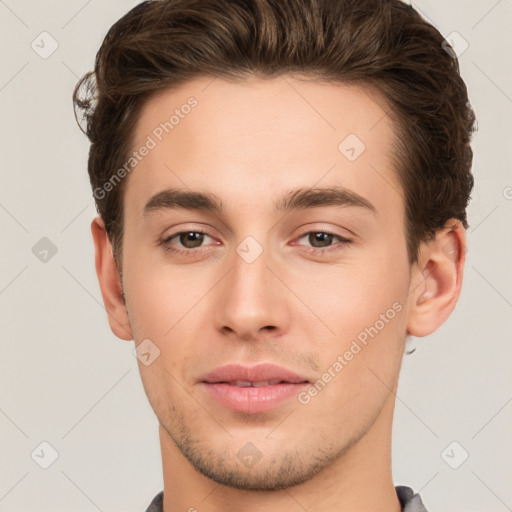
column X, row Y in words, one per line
column 218, row 384
column 258, row 373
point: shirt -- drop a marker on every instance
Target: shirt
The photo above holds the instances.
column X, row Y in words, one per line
column 410, row 502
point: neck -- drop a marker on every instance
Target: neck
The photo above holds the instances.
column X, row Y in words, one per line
column 359, row 480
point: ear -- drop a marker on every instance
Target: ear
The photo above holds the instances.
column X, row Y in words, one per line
column 436, row 279
column 110, row 283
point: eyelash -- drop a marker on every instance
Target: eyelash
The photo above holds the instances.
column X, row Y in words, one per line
column 164, row 242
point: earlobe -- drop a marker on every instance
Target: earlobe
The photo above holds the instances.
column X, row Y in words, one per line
column 109, row 281
column 436, row 280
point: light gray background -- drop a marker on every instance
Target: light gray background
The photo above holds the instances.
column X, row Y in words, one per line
column 64, row 377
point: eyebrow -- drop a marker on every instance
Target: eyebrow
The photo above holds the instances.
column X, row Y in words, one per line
column 299, row 199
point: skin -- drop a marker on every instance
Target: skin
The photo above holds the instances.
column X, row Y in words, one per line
column 249, row 143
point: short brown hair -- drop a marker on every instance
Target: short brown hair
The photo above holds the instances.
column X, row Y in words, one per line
column 384, row 44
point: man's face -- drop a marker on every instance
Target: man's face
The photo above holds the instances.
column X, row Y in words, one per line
column 256, row 288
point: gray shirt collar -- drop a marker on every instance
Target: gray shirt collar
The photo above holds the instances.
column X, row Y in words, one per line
column 410, row 502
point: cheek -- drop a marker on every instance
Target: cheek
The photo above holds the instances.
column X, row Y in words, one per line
column 159, row 295
column 360, row 365
column 364, row 307
column 353, row 296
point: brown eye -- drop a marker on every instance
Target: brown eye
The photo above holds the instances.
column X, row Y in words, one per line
column 191, row 239
column 322, row 241
column 187, row 242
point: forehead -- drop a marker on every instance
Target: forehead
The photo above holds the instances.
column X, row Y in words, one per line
column 246, row 139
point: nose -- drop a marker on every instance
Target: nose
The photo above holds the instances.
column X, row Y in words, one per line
column 252, row 299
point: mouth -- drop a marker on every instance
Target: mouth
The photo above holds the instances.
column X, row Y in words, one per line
column 258, row 384
column 252, row 389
